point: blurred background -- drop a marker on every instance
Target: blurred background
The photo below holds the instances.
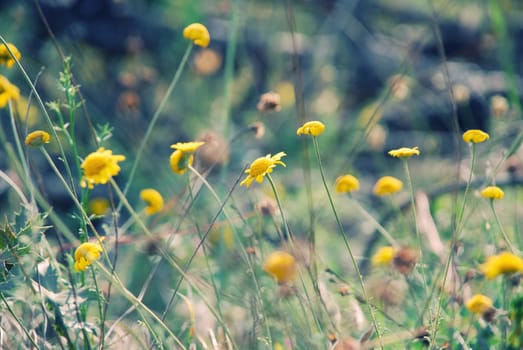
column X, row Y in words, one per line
column 380, row 74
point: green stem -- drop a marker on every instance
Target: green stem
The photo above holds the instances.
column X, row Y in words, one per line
column 19, row 321
column 467, row 189
column 141, row 306
column 375, row 222
column 416, row 226
column 154, row 119
column 346, row 242
column 503, row 233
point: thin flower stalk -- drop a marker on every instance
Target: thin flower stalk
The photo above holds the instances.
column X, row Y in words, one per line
column 142, row 309
column 46, row 116
column 416, row 225
column 346, row 242
column 200, row 244
column 467, row 189
column 375, row 223
column 154, row 119
column 291, row 241
column 501, row 229
column 161, row 250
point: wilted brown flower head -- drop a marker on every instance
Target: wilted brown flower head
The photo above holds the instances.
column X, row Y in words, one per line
column 258, row 128
column 405, row 259
column 347, row 344
column 267, row 206
column 387, row 290
column 269, row 102
column 215, row 151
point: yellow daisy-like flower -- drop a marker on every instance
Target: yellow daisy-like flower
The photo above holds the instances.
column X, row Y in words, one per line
column 8, row 91
column 383, row 256
column 5, row 56
column 261, row 167
column 314, row 128
column 183, row 156
column 198, row 34
column 479, row 304
column 99, row 206
column 86, row 254
column 99, row 167
column 347, row 183
column 475, row 136
column 404, row 152
column 153, row 199
column 187, row 147
column 387, row 185
column 280, row 265
column 492, row 192
column 37, row 138
column 503, row 263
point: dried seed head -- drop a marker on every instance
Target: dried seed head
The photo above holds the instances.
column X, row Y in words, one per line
column 258, row 128
column 215, row 151
column 269, row 102
column 267, row 206
column 405, row 260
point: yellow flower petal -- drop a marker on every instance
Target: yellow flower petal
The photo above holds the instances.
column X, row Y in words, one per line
column 475, row 136
column 154, row 200
column 8, row 91
column 492, row 192
column 404, row 152
column 383, row 256
column 387, row 185
column 261, row 167
column 314, row 128
column 503, row 263
column 198, row 34
column 280, row 265
column 37, row 138
column 479, row 304
column 99, row 167
column 86, row 254
column 347, row 183
column 6, row 58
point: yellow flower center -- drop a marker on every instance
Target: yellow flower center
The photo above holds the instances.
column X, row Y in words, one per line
column 96, row 164
column 260, row 166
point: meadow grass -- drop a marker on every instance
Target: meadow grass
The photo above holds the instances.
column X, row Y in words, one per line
column 243, row 250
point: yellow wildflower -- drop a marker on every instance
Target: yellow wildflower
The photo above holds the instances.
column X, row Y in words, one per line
column 503, row 263
column 314, row 128
column 153, row 199
column 492, row 192
column 8, row 91
column 280, row 265
column 99, row 206
column 383, row 256
column 37, row 138
column 475, row 136
column 347, row 183
column 198, row 34
column 261, row 167
column 479, row 304
column 387, row 185
column 404, row 152
column 5, row 56
column 99, row 167
column 86, row 254
column 183, row 157
column 187, row 147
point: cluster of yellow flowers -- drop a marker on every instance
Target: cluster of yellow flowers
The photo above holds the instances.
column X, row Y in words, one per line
column 100, row 166
column 9, row 54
